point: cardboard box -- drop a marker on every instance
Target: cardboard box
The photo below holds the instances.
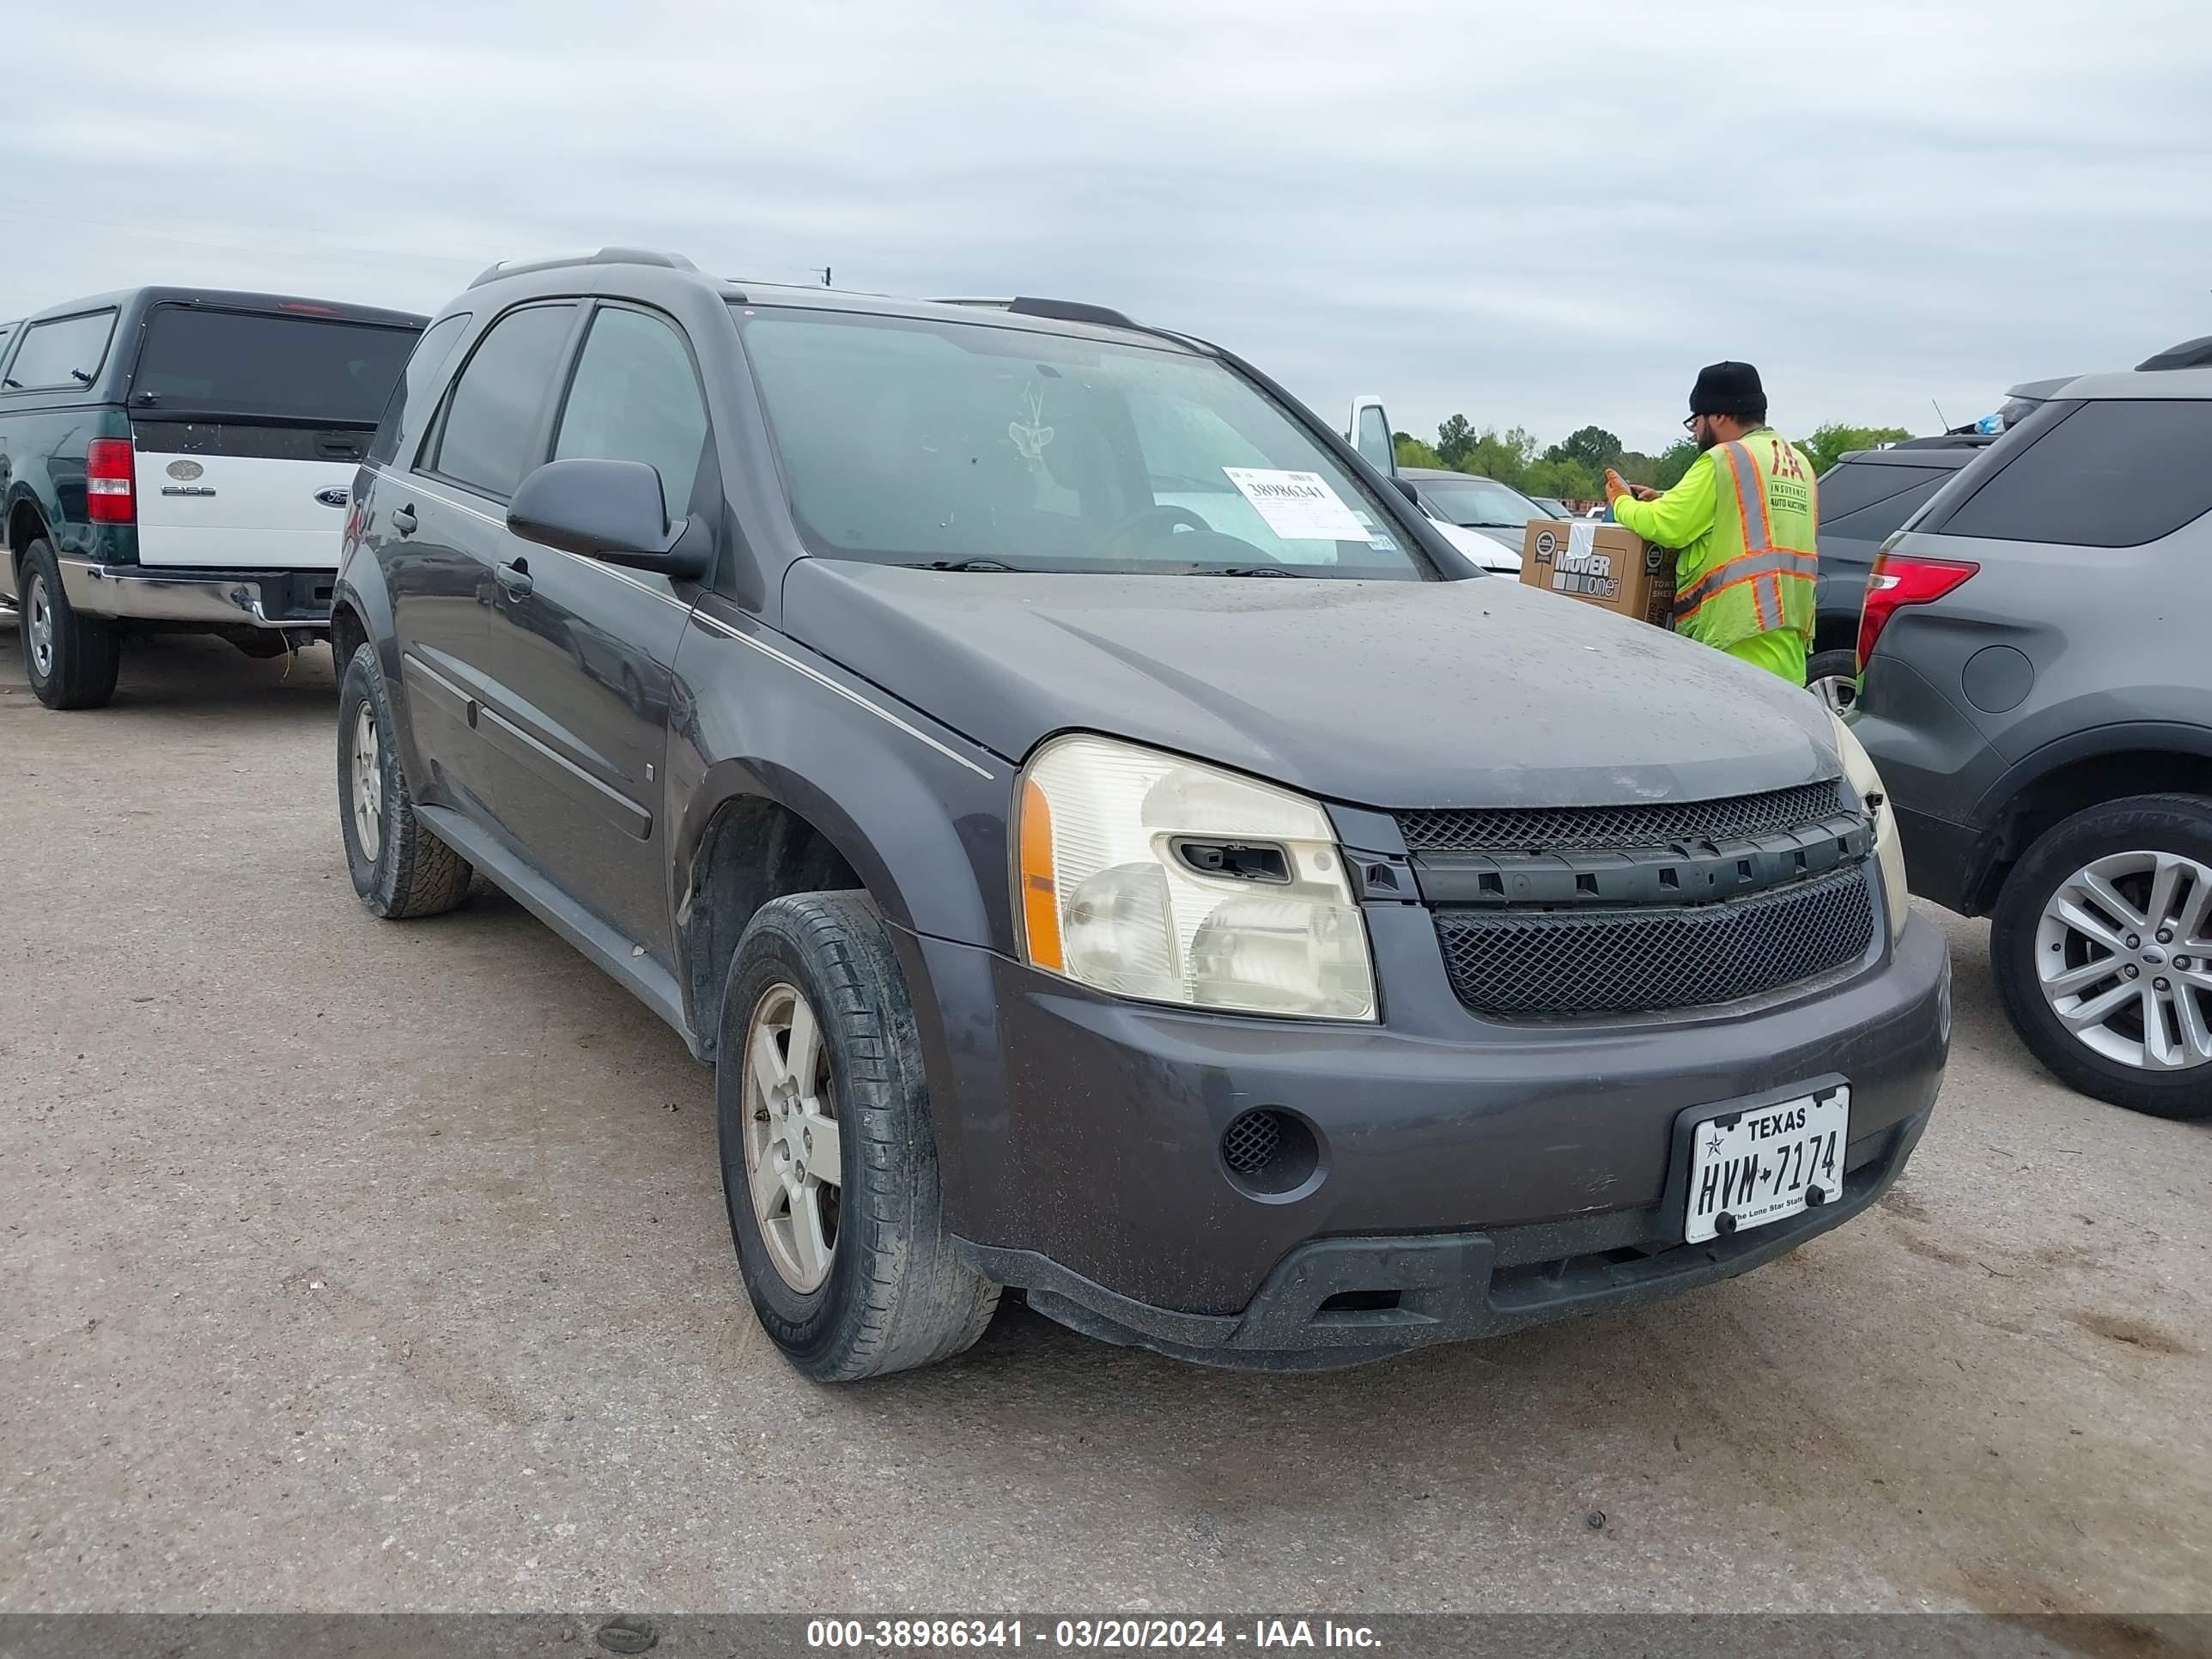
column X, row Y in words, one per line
column 1602, row 564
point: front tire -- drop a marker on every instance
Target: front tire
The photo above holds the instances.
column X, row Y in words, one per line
column 400, row 868
column 2101, row 943
column 71, row 659
column 829, row 1160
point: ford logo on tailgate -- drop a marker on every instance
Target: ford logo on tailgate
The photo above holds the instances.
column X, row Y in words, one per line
column 332, row 497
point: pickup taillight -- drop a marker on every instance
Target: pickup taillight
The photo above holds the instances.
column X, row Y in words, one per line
column 111, row 494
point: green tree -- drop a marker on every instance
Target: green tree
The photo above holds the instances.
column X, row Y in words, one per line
column 1505, row 459
column 1672, row 462
column 1591, row 447
column 1411, row 451
column 1566, row 479
column 1454, row 437
column 1830, row 443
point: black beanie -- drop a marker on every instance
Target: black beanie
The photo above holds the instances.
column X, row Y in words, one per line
column 1727, row 389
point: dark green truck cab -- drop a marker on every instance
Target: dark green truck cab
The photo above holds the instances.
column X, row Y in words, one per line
column 180, row 459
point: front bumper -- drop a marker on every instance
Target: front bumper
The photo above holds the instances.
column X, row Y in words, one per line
column 1476, row 1178
column 287, row 599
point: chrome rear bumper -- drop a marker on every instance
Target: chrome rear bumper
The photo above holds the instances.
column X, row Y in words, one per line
column 231, row 598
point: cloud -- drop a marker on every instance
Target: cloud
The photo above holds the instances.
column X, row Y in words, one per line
column 1542, row 216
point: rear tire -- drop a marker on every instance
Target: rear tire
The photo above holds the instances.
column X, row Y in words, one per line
column 2123, row 844
column 399, row 869
column 892, row 1294
column 71, row 659
column 1833, row 676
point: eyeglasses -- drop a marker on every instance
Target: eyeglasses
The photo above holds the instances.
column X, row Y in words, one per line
column 1690, row 423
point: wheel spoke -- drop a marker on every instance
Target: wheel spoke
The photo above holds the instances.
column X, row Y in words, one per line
column 2159, row 1051
column 810, row 1245
column 2098, row 1009
column 769, row 1186
column 2189, row 925
column 2200, row 977
column 2086, row 922
column 2164, row 883
column 2074, row 981
column 2108, row 898
column 824, row 1148
column 765, row 1064
column 2195, row 1035
column 804, row 1052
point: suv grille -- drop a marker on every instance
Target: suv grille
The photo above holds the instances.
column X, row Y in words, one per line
column 1532, row 965
column 1658, row 823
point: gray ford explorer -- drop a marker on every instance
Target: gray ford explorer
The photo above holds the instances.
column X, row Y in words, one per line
column 1103, row 837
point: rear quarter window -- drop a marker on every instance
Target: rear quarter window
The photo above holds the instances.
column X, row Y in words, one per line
column 66, row 353
column 417, row 388
column 2108, row 473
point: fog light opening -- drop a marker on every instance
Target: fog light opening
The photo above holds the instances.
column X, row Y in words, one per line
column 1269, row 1153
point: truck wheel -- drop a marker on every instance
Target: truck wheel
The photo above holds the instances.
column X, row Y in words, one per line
column 2102, row 947
column 69, row 658
column 829, row 1163
column 400, row 868
column 1833, row 676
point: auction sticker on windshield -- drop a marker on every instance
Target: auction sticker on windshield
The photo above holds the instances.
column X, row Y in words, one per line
column 1299, row 507
column 1766, row 1162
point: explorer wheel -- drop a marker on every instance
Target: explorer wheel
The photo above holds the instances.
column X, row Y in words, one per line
column 399, row 867
column 829, row 1161
column 71, row 659
column 1833, row 677
column 2102, row 947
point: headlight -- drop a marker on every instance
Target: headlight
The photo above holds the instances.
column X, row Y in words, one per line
column 1151, row 876
column 1859, row 771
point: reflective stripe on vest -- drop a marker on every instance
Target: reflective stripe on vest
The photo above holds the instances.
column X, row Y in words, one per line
column 1759, row 557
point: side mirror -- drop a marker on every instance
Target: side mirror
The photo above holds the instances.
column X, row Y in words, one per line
column 1369, row 434
column 608, row 510
column 1406, row 488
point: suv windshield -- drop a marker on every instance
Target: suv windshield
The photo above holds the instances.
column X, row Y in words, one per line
column 255, row 363
column 1475, row 503
column 914, row 441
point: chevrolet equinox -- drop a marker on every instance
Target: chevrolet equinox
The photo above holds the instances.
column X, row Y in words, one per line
column 1104, row 839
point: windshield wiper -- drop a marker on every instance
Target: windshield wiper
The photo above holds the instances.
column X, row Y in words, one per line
column 964, row 564
column 1246, row 570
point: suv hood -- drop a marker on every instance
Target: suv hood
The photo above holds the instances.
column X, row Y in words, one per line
column 1479, row 692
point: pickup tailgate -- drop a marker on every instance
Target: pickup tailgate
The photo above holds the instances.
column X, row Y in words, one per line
column 268, row 497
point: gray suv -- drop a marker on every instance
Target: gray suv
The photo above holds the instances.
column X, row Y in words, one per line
column 2038, row 694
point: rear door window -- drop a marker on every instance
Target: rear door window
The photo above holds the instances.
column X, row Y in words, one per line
column 1851, row 485
column 490, row 438
column 1876, row 521
column 634, row 398
column 249, row 365
column 2108, row 474
column 64, row 353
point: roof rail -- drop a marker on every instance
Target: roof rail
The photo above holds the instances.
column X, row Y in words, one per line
column 1061, row 310
column 2189, row 354
column 605, row 255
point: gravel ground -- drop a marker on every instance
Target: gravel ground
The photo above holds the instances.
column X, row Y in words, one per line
column 357, row 1266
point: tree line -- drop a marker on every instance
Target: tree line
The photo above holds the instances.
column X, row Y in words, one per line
column 1573, row 469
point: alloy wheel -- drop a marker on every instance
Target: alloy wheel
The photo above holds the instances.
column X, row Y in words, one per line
column 1838, row 691
column 794, row 1154
column 2124, row 956
column 367, row 784
column 39, row 607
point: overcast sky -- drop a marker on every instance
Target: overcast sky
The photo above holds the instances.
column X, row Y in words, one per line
column 1547, row 214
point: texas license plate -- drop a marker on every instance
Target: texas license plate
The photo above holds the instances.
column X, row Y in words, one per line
column 1766, row 1162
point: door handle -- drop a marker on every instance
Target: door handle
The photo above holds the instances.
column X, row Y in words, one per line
column 515, row 578
column 404, row 521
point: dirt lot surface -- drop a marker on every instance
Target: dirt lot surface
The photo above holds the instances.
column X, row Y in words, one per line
column 353, row 1265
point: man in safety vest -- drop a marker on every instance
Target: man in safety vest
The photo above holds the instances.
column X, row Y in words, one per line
column 1746, row 518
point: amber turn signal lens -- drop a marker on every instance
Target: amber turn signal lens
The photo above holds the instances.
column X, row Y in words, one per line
column 1040, row 895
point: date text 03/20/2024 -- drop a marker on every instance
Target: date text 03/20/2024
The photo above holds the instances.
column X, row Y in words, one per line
column 1103, row 1634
